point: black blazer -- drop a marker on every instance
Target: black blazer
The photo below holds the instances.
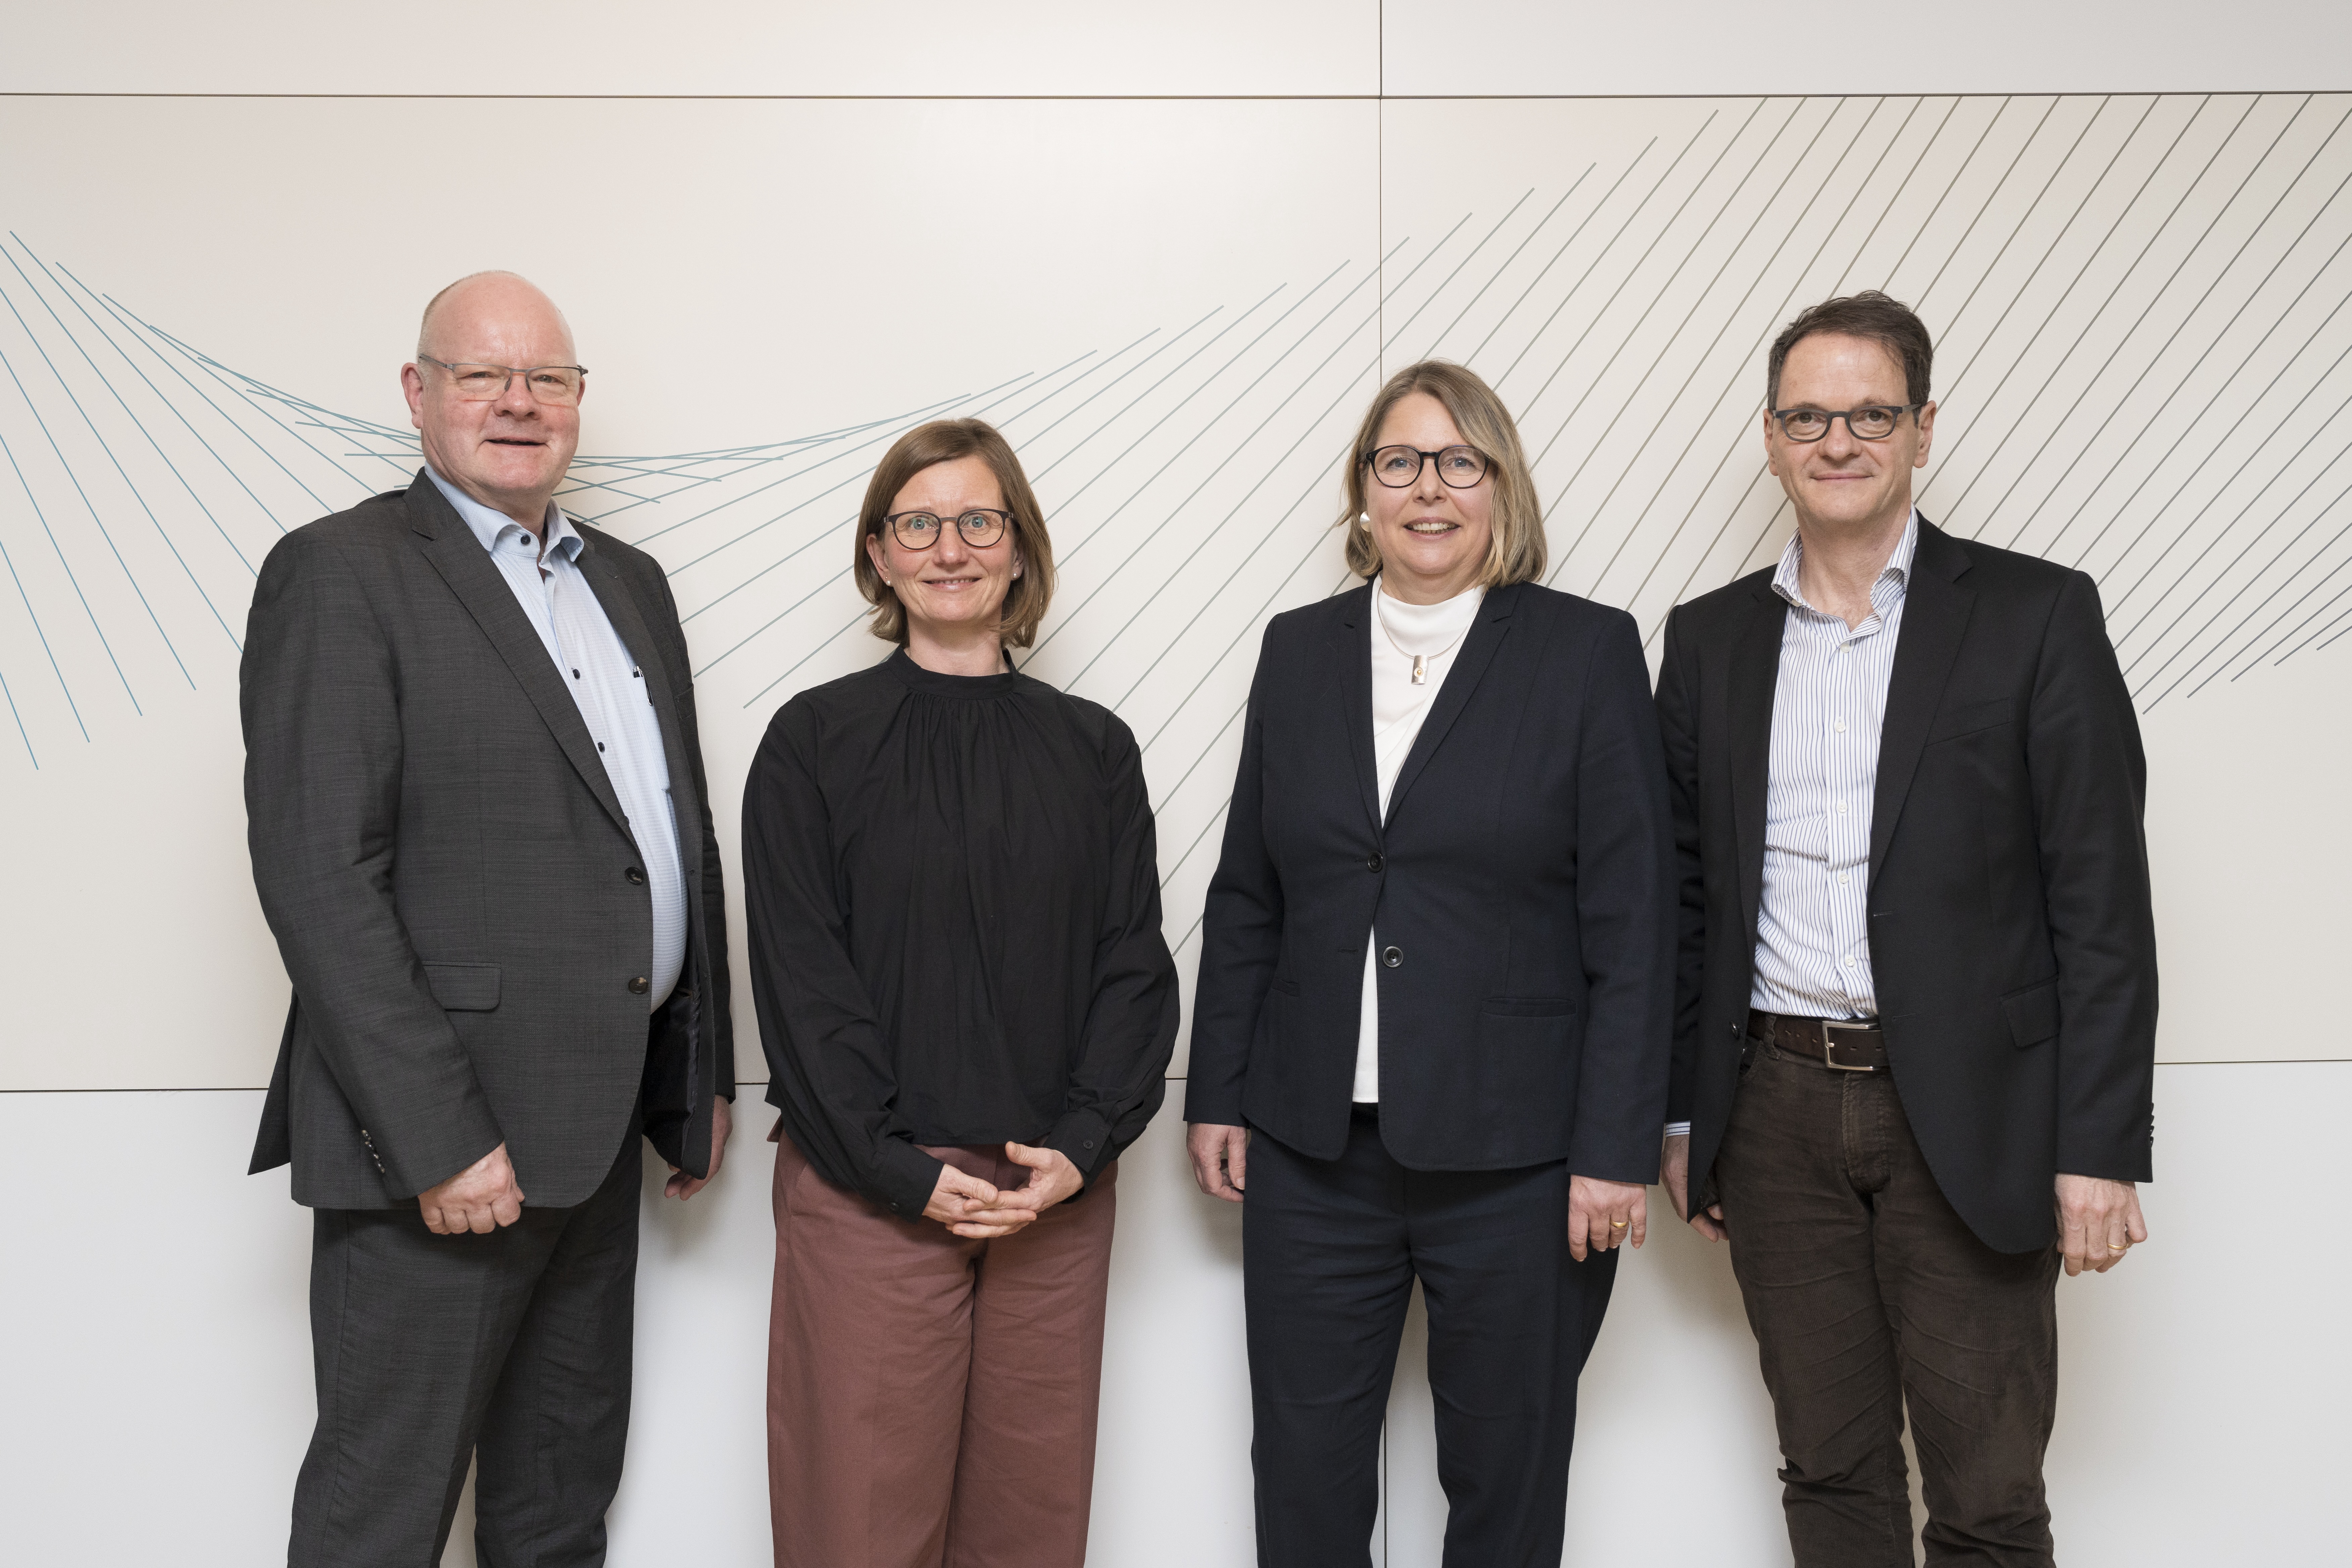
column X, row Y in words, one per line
column 2011, row 937
column 1521, row 890
column 449, row 877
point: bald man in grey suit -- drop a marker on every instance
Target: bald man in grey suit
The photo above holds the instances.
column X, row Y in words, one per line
column 480, row 836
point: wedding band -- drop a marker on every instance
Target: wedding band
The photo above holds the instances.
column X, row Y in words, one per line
column 1617, row 1224
column 2113, row 1248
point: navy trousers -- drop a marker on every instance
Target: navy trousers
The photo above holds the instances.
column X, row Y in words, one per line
column 1331, row 1250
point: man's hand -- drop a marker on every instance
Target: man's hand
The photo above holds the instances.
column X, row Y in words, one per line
column 957, row 1198
column 479, row 1198
column 1602, row 1215
column 1220, row 1159
column 1051, row 1178
column 1673, row 1170
column 722, row 1123
column 2098, row 1222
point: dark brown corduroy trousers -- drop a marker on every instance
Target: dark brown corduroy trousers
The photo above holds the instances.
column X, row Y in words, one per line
column 930, row 1399
column 1866, row 1291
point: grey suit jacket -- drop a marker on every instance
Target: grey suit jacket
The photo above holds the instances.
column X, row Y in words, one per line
column 450, row 879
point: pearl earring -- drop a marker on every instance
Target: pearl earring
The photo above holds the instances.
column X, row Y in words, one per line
column 1365, row 517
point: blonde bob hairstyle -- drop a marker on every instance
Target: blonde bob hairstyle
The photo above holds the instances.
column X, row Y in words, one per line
column 944, row 441
column 1516, row 551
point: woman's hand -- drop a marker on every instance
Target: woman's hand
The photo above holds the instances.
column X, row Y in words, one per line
column 1220, row 1159
column 1051, row 1178
column 957, row 1198
column 1602, row 1215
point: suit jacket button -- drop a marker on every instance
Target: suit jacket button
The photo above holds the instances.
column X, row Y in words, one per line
column 1392, row 956
column 639, row 985
column 1374, row 863
column 636, row 878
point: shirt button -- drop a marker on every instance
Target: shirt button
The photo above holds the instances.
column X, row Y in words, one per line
column 1392, row 956
column 576, row 675
column 637, row 879
column 1373, row 863
column 1842, row 879
column 600, row 746
column 1849, row 961
column 1840, row 723
column 639, row 985
column 1840, row 805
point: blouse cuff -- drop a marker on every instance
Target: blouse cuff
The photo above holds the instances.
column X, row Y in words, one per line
column 906, row 1178
column 1083, row 1137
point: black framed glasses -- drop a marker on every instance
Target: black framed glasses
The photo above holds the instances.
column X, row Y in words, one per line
column 981, row 526
column 1873, row 422
column 1397, row 466
column 558, row 385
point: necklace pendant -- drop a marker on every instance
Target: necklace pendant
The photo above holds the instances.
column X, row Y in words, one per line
column 1420, row 670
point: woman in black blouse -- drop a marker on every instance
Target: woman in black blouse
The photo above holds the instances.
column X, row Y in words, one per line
column 968, row 1009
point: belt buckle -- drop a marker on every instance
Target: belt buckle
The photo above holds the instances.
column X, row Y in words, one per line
column 1829, row 1052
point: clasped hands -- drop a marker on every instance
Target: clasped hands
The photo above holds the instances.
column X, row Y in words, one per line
column 982, row 1211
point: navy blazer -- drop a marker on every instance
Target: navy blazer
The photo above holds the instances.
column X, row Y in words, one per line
column 1521, row 890
column 2011, row 933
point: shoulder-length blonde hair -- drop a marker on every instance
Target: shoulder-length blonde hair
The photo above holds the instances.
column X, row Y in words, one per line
column 944, row 441
column 1516, row 551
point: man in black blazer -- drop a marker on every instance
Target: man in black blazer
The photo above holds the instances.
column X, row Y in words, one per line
column 1916, row 1032
column 479, row 834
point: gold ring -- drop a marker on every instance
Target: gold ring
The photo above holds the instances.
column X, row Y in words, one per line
column 1617, row 1224
column 2113, row 1248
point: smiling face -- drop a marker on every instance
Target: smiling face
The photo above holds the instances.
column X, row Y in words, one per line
column 952, row 592
column 511, row 452
column 1841, row 486
column 1433, row 540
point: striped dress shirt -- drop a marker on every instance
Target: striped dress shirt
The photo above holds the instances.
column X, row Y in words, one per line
column 1829, row 706
column 610, row 690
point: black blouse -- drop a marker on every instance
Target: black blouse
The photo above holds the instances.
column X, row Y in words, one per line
column 953, row 893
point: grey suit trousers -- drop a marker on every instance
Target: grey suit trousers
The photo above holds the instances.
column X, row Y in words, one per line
column 512, row 1348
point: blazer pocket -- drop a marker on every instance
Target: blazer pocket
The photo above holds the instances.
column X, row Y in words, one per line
column 1527, row 1007
column 1968, row 717
column 2032, row 1014
column 1287, row 987
column 464, row 987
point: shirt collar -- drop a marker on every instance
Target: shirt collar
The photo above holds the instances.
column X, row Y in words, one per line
column 1896, row 574
column 489, row 527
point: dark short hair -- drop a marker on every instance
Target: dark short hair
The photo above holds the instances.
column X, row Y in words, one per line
column 944, row 441
column 1869, row 314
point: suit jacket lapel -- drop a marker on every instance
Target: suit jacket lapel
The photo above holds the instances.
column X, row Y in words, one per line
column 1478, row 647
column 1935, row 617
column 621, row 608
column 1351, row 652
column 453, row 552
column 1754, row 681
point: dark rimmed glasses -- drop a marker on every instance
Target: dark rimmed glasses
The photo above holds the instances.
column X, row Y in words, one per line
column 981, row 526
column 1873, row 422
column 557, row 385
column 1397, row 466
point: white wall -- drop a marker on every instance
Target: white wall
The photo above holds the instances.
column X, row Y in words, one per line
column 1171, row 251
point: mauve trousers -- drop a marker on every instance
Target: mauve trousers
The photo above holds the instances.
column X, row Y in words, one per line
column 931, row 1399
column 1867, row 1294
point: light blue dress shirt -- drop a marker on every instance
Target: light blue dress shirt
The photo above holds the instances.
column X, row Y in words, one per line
column 615, row 701
column 1829, row 708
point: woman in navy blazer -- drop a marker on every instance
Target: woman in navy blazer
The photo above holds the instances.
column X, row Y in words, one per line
column 1436, row 980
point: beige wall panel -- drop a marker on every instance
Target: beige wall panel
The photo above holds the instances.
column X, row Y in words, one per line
column 1494, row 47
column 208, row 301
column 2143, row 309
column 1067, row 48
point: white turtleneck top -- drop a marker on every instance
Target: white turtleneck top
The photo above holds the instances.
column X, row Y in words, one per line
column 1399, row 631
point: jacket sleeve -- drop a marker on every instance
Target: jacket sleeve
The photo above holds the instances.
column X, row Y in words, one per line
column 319, row 695
column 1121, row 1076
column 2090, row 791
column 829, row 1070
column 1678, row 728
column 718, row 1010
column 1240, row 931
column 1625, row 903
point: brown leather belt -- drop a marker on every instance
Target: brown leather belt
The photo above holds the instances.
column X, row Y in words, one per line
column 1847, row 1045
